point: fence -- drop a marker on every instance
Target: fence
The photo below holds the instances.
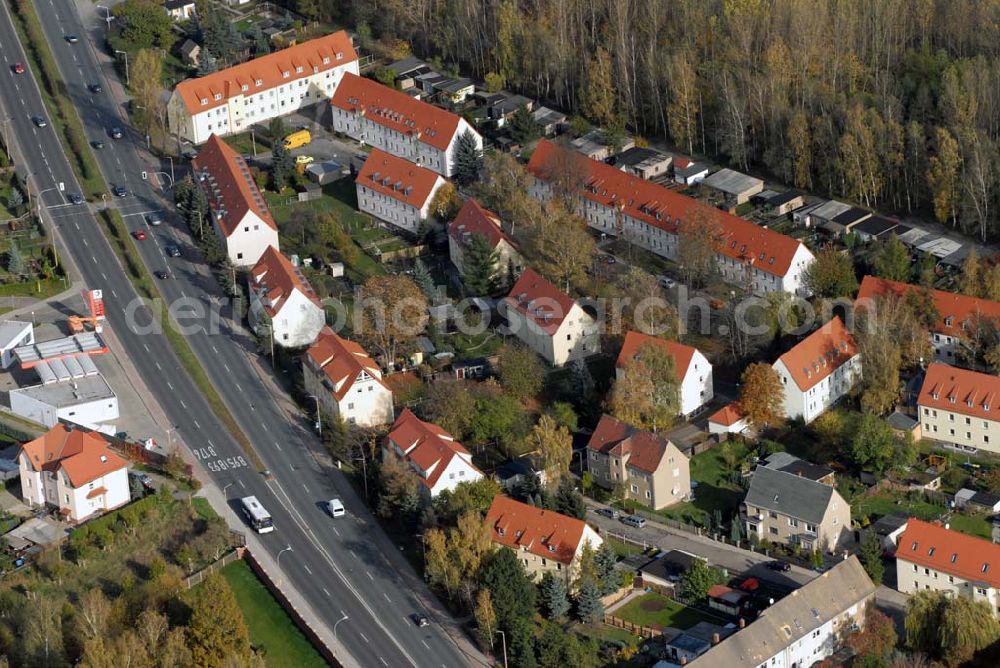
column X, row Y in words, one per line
column 197, row 577
column 635, row 629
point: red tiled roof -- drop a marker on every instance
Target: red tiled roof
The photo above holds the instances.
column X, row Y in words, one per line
column 83, row 455
column 540, row 301
column 663, row 208
column 96, row 492
column 472, row 219
column 396, row 110
column 728, row 415
column 277, row 278
column 961, row 391
column 544, row 533
column 953, row 309
column 425, row 445
column 820, row 354
column 680, row 353
column 398, row 178
column 342, row 361
column 227, row 183
column 952, row 552
column 682, row 162
column 613, row 437
column 269, row 70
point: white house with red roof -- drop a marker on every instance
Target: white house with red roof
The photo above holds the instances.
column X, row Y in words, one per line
column 441, row 462
column 473, row 220
column 346, row 382
column 239, row 213
column 277, row 84
column 543, row 540
column 74, row 470
column 730, row 419
column 397, row 123
column 694, row 371
column 396, row 191
column 282, row 302
column 960, row 407
column 650, row 215
column 549, row 321
column 819, row 370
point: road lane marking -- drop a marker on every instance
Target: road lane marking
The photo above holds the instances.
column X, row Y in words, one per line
column 146, row 347
column 241, row 484
column 383, row 662
column 184, row 405
column 277, row 445
column 387, row 597
column 425, row 643
column 369, row 576
column 363, row 636
column 325, row 591
column 196, row 425
column 308, row 570
column 158, row 367
column 170, row 386
column 335, row 531
column 238, row 387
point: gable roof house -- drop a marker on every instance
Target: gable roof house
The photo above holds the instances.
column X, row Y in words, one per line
column 277, row 84
column 736, row 186
column 549, row 321
column 439, row 461
column 646, row 163
column 392, row 121
column 649, row 215
column 473, row 219
column 239, row 213
column 730, row 419
column 688, row 172
column 346, row 382
column 543, row 540
column 179, row 10
column 694, row 371
column 74, row 470
column 960, row 407
column 282, row 302
column 396, row 191
column 819, row 370
column 783, row 461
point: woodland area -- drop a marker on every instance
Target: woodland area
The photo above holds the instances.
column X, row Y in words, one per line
column 894, row 104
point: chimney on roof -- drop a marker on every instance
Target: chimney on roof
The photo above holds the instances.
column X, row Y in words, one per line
column 104, row 459
column 684, row 661
column 743, row 623
column 715, row 638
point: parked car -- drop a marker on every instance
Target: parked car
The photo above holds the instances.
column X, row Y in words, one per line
column 780, row 566
column 18, row 68
column 143, row 478
column 39, row 121
column 95, row 88
column 634, row 521
column 609, row 512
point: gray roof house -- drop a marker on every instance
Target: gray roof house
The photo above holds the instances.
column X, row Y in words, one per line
column 550, row 122
column 646, row 163
column 734, row 185
column 789, row 463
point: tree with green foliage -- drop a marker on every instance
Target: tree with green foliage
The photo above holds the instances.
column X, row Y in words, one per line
column 142, row 24
column 498, row 417
column 554, row 596
column 523, row 128
column 486, row 618
column 607, row 575
column 385, row 76
column 398, row 488
column 15, row 262
column 479, row 266
column 520, row 639
column 871, row 557
column 465, row 497
column 219, row 34
column 567, row 500
column 831, row 274
column 216, row 631
column 282, row 166
column 589, row 607
column 892, row 260
column 207, row 63
column 874, row 644
column 554, row 446
column 872, row 446
column 514, row 594
column 261, row 44
column 698, row 579
column 15, row 199
column 563, row 414
column 647, row 391
column 520, row 371
column 762, row 395
column 949, row 629
column 468, row 159
column 422, row 277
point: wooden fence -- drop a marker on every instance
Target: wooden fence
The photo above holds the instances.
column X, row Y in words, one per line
column 636, row 629
column 197, row 577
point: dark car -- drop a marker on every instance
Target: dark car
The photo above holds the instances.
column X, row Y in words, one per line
column 95, row 88
column 780, row 566
column 75, row 198
column 419, row 619
column 119, row 191
column 116, row 133
column 173, row 251
column 161, row 274
column 154, row 219
column 608, row 512
column 39, row 121
column 97, row 144
column 143, row 479
column 72, row 39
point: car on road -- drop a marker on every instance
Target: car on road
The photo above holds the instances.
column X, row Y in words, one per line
column 75, row 198
column 173, row 251
column 140, row 235
column 419, row 619
column 162, row 274
column 116, row 133
column 634, row 521
column 609, row 512
column 98, row 144
column 95, row 88
column 154, row 219
column 18, row 68
column 39, row 121
column 780, row 566
column 72, row 39
column 335, row 507
column 119, row 191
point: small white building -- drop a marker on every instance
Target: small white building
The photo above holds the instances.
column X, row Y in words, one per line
column 694, row 371
column 75, row 471
column 730, row 419
column 346, row 381
column 283, row 301
column 688, row 173
column 819, row 370
column 440, row 462
column 179, row 10
column 239, row 214
column 13, row 334
column 549, row 321
column 473, row 219
column 396, row 191
column 87, row 401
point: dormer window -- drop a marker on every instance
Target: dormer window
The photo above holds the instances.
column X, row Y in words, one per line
column 340, row 55
column 204, row 100
column 985, row 568
column 949, row 321
column 500, row 531
column 285, row 74
column 518, row 534
column 218, row 96
column 245, row 87
column 913, row 548
column 552, row 548
column 298, row 70
column 326, row 60
column 935, row 396
column 930, row 552
column 258, row 82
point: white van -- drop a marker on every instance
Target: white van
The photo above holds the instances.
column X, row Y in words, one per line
column 335, row 508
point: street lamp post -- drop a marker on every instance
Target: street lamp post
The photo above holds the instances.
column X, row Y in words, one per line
column 319, row 419
column 125, row 53
column 342, row 619
column 171, row 158
column 224, row 488
column 503, row 639
column 107, row 15
column 287, row 548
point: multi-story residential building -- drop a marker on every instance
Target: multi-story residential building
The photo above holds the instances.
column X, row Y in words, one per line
column 933, row 557
column 819, row 370
column 650, row 468
column 239, row 214
column 543, row 540
column 231, row 100
column 960, row 407
column 74, row 470
column 650, row 216
column 957, row 316
column 789, row 509
column 694, row 371
column 803, row 628
column 548, row 321
column 397, row 123
column 346, row 382
column 472, row 220
column 396, row 191
column 283, row 303
column 440, row 462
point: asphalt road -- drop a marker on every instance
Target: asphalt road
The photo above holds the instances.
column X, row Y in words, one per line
column 344, row 568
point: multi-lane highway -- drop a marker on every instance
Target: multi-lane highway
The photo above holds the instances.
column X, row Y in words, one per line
column 343, row 568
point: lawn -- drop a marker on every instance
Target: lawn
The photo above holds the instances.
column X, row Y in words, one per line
column 974, row 525
column 883, row 503
column 658, row 611
column 471, row 346
column 270, row 626
column 203, row 508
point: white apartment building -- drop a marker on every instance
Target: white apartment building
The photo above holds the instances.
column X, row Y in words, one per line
column 282, row 302
column 819, row 370
column 960, row 408
column 440, row 462
column 239, row 214
column 620, row 204
column 346, row 382
column 473, row 219
column 277, row 84
column 396, row 191
column 548, row 321
column 397, row 123
column 694, row 371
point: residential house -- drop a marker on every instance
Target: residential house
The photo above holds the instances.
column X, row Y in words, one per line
column 14, row 334
column 595, row 146
column 549, row 321
column 394, row 122
column 519, row 471
column 646, row 163
column 695, row 641
column 694, row 371
column 440, row 462
column 74, row 470
column 735, row 186
column 888, row 529
column 976, row 501
column 345, row 381
column 549, row 122
column 960, row 408
column 473, row 219
column 802, row 628
column 282, row 302
column 239, row 214
column 179, row 10
column 783, row 461
column 819, row 370
column 650, row 469
column 790, row 509
column 649, row 215
column 688, row 173
column 543, row 540
column 730, row 419
column 933, row 557
column 666, row 570
column 396, row 191
column 277, row 84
